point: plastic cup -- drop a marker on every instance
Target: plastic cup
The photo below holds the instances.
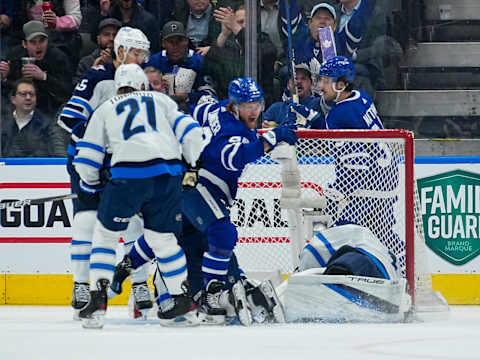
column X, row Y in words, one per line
column 28, row 60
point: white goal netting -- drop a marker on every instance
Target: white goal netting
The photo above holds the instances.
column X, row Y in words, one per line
column 368, row 179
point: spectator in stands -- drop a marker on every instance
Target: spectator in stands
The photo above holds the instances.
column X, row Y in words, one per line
column 107, row 29
column 25, row 131
column 131, row 14
column 50, row 70
column 305, row 35
column 285, row 112
column 156, row 79
column 182, row 66
column 62, row 21
column 197, row 16
column 225, row 59
column 369, row 56
column 271, row 24
column 7, row 10
column 161, row 10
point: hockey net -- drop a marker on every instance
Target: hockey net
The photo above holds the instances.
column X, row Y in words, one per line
column 367, row 177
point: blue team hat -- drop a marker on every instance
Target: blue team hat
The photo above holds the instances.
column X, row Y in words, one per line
column 329, row 7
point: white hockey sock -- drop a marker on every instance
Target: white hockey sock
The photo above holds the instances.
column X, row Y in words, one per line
column 82, row 233
column 102, row 260
column 170, row 259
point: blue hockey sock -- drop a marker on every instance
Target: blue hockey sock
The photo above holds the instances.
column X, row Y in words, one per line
column 141, row 253
column 214, row 266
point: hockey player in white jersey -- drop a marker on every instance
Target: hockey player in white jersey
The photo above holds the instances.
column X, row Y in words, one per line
column 147, row 137
column 97, row 86
column 345, row 275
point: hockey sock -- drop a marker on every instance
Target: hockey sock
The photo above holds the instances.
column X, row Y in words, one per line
column 141, row 253
column 82, row 233
column 170, row 259
column 214, row 267
column 102, row 259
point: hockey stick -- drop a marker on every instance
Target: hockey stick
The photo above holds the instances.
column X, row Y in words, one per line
column 291, row 53
column 26, row 202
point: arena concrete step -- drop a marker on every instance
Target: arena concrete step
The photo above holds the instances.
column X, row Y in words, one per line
column 442, row 65
column 432, row 113
column 452, row 20
column 451, row 10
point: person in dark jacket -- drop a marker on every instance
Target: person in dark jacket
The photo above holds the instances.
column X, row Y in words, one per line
column 131, row 14
column 25, row 131
column 107, row 29
column 48, row 67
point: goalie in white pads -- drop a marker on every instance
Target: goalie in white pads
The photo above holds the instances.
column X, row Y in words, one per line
column 346, row 275
column 147, row 137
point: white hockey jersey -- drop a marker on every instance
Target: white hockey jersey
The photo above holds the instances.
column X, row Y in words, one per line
column 326, row 242
column 146, row 135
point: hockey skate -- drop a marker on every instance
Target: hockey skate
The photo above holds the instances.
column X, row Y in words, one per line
column 122, row 271
column 93, row 314
column 180, row 312
column 142, row 300
column 238, row 298
column 265, row 303
column 80, row 297
column 210, row 311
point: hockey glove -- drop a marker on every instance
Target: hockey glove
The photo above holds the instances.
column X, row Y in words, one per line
column 280, row 134
column 89, row 194
column 190, row 178
column 304, row 115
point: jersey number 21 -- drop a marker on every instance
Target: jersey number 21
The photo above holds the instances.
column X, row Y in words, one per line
column 134, row 108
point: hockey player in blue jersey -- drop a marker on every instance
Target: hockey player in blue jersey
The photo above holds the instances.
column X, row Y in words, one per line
column 148, row 137
column 233, row 142
column 357, row 164
column 97, row 86
column 308, row 110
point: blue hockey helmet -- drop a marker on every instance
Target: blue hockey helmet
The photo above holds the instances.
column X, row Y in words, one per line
column 338, row 67
column 244, row 90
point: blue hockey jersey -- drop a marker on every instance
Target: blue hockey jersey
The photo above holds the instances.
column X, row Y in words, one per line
column 232, row 145
column 96, row 87
column 346, row 40
column 356, row 112
column 278, row 112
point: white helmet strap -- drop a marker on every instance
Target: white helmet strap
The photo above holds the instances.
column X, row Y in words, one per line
column 338, row 91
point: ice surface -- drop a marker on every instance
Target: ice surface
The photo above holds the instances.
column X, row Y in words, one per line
column 34, row 332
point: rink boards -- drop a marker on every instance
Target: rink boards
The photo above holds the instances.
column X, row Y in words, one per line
column 34, row 244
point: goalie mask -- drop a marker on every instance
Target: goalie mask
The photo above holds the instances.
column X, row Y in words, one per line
column 130, row 38
column 131, row 75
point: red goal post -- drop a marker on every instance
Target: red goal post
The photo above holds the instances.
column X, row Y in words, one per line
column 378, row 192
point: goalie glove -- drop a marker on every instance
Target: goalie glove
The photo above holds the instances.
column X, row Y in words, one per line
column 280, row 134
column 303, row 114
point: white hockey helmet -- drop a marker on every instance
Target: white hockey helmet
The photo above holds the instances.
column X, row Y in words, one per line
column 130, row 38
column 131, row 75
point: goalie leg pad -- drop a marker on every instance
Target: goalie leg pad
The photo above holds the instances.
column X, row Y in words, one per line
column 338, row 298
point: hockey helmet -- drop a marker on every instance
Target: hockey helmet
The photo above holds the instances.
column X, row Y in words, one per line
column 244, row 90
column 131, row 75
column 130, row 38
column 338, row 67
